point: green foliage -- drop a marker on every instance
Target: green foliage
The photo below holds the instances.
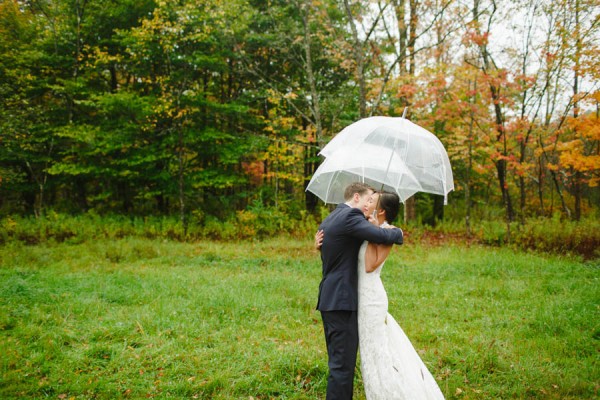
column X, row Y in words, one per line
column 554, row 236
column 551, row 236
column 137, row 318
column 561, row 236
column 257, row 222
column 261, row 222
column 156, row 108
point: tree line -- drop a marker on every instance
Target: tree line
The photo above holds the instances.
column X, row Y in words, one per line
column 211, row 106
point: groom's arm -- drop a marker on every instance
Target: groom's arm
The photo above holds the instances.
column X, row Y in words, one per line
column 358, row 226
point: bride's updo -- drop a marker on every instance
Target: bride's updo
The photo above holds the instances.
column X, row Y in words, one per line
column 390, row 203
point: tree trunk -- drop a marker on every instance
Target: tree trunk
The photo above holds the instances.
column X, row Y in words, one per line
column 358, row 58
column 487, row 64
column 315, row 104
column 310, row 166
column 181, row 181
column 577, row 175
column 577, row 194
column 410, row 215
column 470, row 161
column 501, row 163
column 541, row 179
column 412, row 36
column 560, row 194
column 438, row 209
column 407, row 37
column 310, row 152
column 399, row 7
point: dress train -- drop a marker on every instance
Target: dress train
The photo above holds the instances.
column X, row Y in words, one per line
column 390, row 366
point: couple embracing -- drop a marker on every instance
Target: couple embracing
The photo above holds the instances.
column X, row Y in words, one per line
column 355, row 239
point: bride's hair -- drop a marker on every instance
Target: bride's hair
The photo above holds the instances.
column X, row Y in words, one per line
column 390, row 203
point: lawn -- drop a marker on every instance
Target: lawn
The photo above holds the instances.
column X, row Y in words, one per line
column 141, row 318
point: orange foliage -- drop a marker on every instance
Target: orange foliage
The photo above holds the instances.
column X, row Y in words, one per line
column 255, row 171
column 477, row 38
column 580, row 153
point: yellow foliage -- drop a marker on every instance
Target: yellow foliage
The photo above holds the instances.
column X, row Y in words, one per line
column 575, row 153
column 552, row 167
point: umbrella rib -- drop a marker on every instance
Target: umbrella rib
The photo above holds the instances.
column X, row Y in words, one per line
column 329, row 184
column 444, row 182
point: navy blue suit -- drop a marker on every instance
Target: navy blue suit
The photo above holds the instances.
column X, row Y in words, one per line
column 345, row 230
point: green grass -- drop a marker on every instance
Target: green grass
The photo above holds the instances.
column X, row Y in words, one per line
column 139, row 318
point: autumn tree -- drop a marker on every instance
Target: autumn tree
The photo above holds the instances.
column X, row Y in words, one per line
column 27, row 147
column 211, row 107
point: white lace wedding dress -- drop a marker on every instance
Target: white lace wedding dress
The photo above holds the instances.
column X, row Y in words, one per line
column 390, row 366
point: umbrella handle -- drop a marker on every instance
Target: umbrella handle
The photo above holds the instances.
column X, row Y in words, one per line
column 386, row 173
column 404, row 112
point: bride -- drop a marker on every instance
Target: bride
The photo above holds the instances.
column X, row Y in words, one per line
column 390, row 366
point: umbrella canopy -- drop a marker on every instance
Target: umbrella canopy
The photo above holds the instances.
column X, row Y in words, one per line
column 383, row 151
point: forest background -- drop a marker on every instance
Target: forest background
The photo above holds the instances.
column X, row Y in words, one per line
column 205, row 118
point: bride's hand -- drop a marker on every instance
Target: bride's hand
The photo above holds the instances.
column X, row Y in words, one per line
column 319, row 239
column 373, row 220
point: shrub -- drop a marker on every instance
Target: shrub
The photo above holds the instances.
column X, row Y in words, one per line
column 255, row 222
column 259, row 222
column 560, row 237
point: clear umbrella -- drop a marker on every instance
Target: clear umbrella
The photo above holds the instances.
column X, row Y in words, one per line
column 387, row 152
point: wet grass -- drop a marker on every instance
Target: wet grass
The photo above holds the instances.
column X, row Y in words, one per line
column 143, row 318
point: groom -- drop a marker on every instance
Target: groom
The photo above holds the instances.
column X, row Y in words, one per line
column 345, row 229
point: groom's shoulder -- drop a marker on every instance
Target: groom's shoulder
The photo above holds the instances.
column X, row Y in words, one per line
column 340, row 209
column 350, row 215
column 338, row 214
column 344, row 211
column 352, row 210
column 355, row 212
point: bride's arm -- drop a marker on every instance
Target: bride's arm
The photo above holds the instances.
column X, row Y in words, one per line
column 375, row 255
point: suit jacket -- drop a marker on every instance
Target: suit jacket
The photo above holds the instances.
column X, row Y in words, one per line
column 345, row 230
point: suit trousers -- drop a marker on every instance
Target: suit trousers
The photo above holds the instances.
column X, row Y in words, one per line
column 341, row 336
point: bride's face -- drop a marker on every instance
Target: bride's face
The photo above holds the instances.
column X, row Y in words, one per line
column 371, row 204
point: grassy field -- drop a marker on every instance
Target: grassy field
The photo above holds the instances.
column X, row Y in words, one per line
column 138, row 318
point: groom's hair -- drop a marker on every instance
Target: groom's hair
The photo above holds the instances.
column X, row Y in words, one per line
column 390, row 203
column 356, row 187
